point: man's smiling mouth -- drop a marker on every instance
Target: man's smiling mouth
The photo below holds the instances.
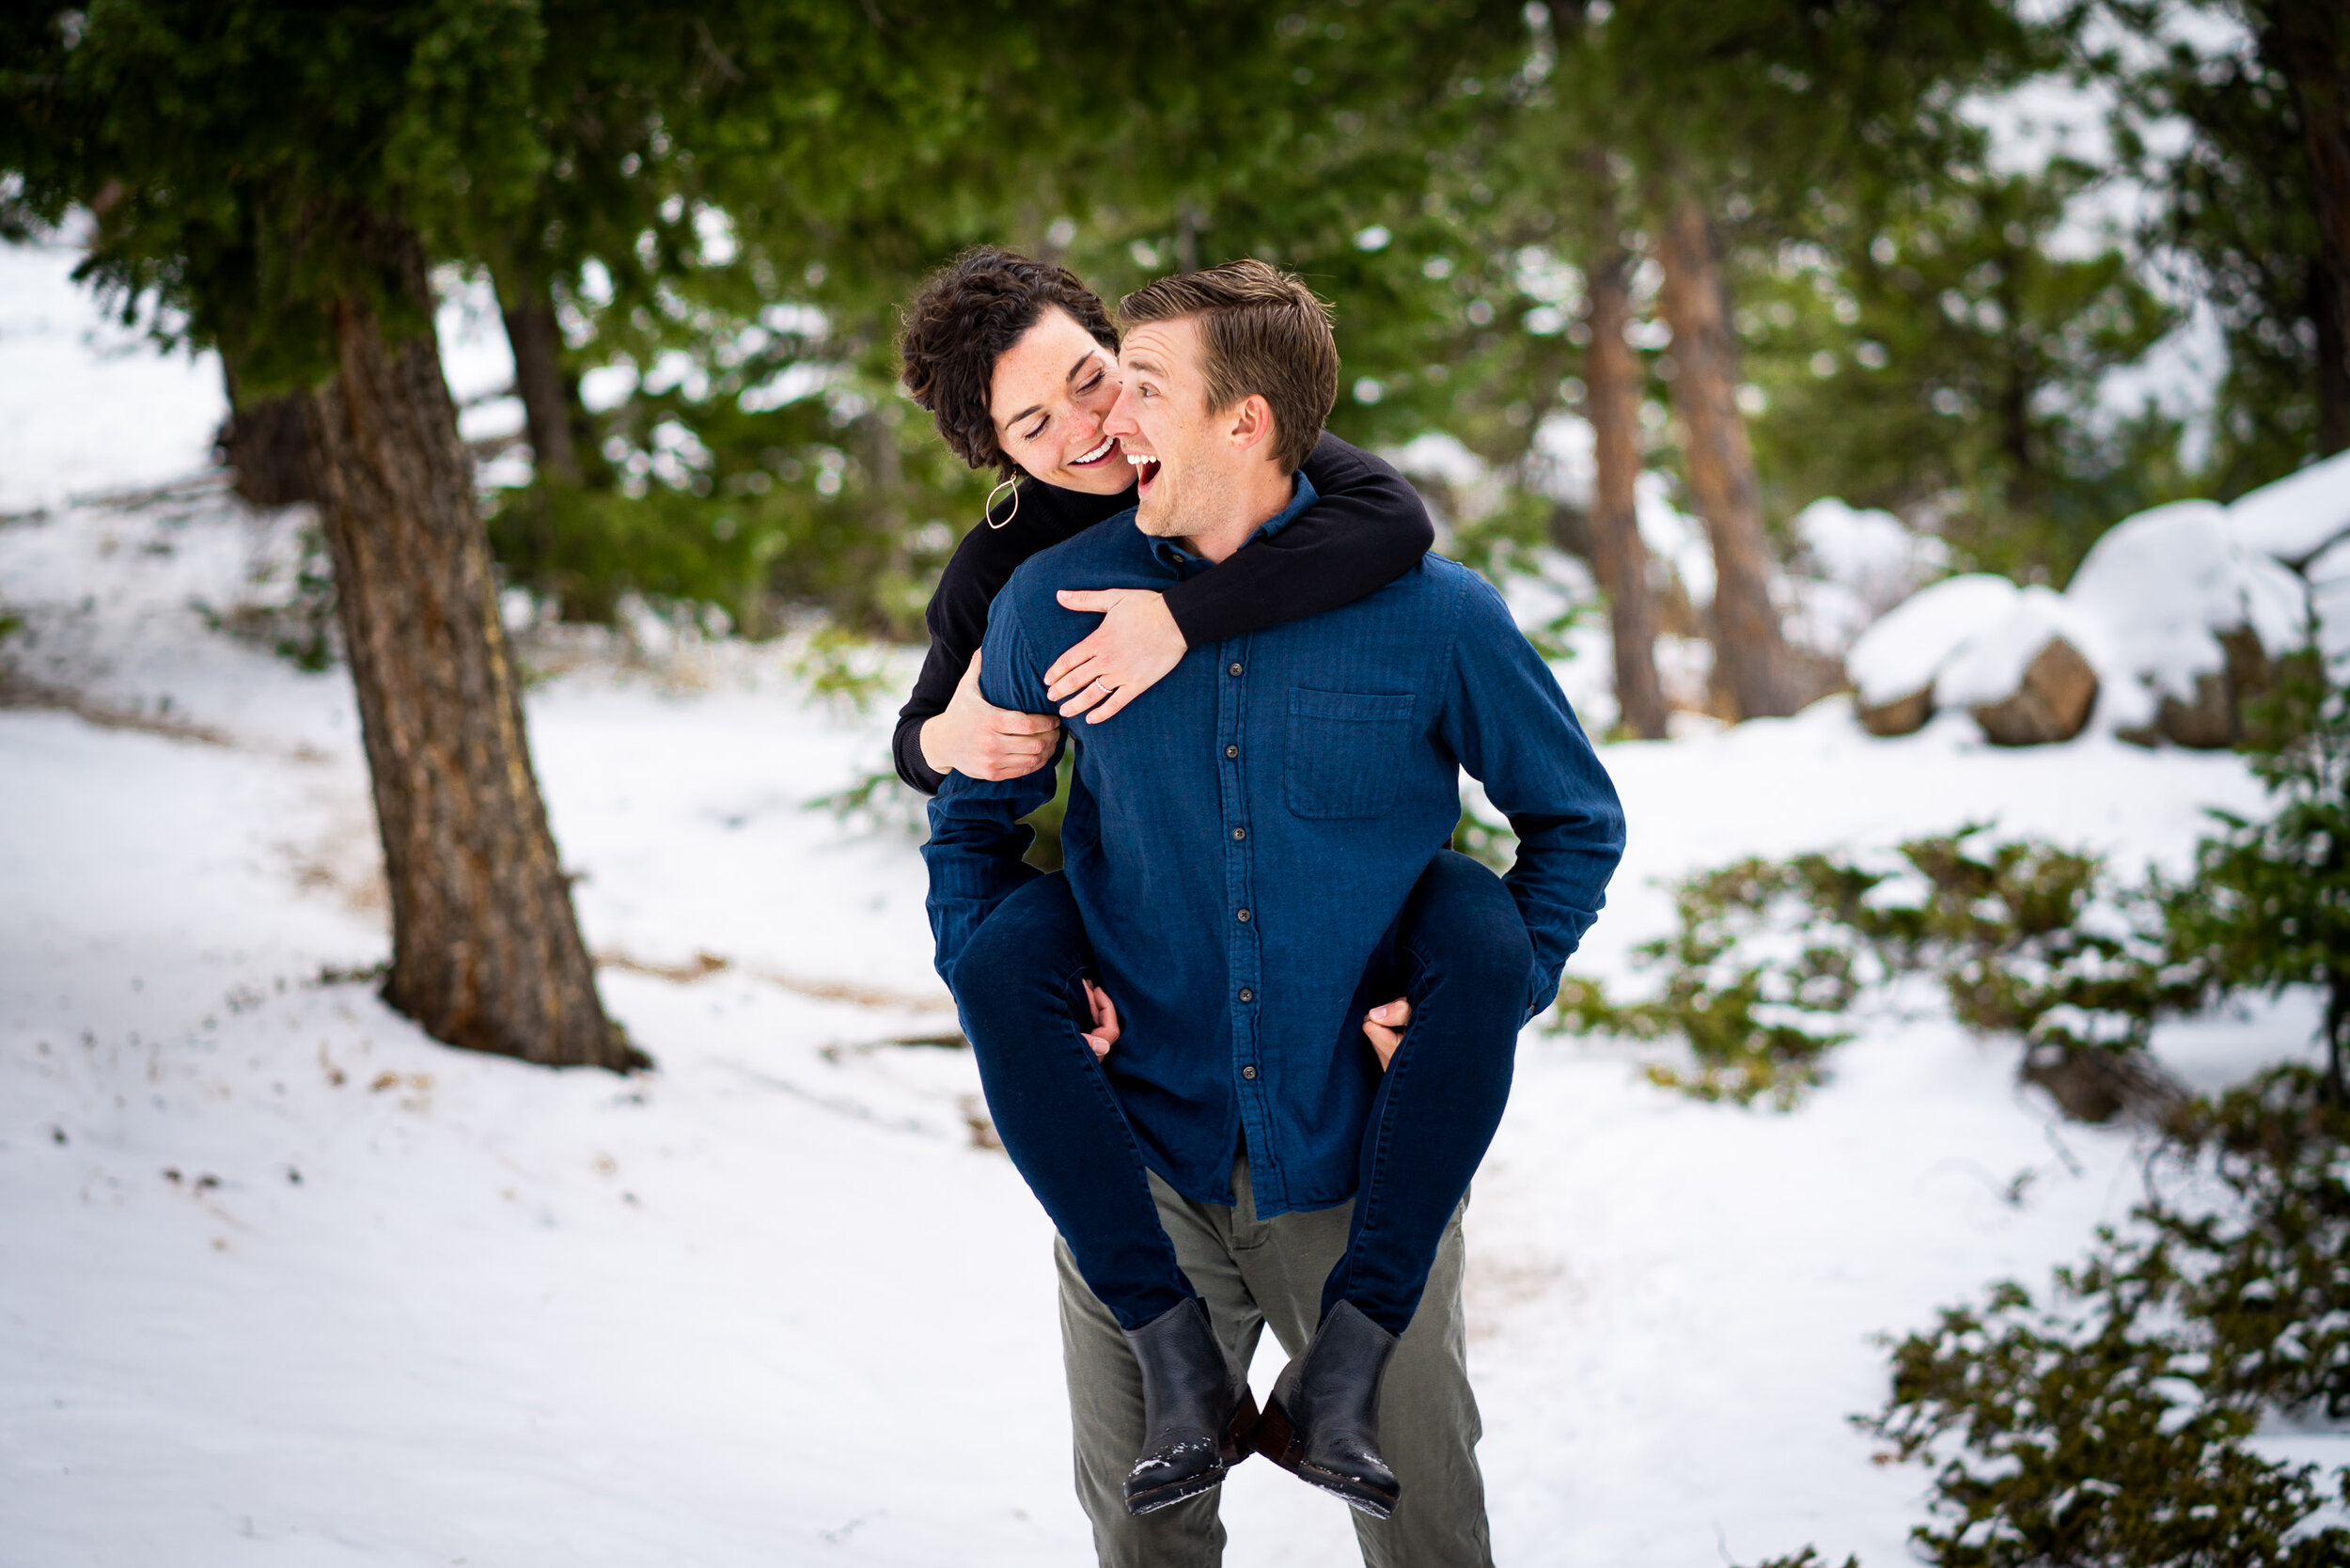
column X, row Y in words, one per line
column 1146, row 470
column 1100, row 454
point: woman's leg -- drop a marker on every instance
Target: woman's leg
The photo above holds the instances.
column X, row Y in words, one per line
column 1464, row 961
column 1018, row 985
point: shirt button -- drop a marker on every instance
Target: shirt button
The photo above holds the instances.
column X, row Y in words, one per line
column 1243, row 916
column 1235, row 668
column 1246, row 995
column 1232, row 751
column 1240, row 832
column 1249, row 1073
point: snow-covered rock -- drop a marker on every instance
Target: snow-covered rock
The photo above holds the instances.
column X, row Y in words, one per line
column 2011, row 658
column 2163, row 583
column 2050, row 703
column 1895, row 661
column 2166, row 586
column 2294, row 519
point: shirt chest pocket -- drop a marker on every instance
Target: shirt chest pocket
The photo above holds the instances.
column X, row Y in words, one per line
column 1344, row 751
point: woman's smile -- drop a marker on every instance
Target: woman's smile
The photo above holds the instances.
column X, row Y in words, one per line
column 1101, row 454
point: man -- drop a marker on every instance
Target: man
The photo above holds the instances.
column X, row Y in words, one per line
column 1240, row 847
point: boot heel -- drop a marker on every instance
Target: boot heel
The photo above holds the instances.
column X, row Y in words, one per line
column 1277, row 1436
column 1240, row 1433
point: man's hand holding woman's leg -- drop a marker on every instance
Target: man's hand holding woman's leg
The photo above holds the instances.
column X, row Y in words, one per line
column 1383, row 1028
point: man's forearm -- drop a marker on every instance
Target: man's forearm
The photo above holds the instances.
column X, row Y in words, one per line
column 1559, row 881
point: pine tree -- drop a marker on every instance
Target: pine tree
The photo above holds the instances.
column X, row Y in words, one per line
column 274, row 180
column 2255, row 208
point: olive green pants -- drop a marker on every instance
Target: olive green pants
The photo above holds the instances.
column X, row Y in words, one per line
column 1251, row 1273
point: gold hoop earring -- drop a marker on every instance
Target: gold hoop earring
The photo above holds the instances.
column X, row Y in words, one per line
column 987, row 513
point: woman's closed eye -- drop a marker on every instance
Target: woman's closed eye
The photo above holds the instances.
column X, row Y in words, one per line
column 1032, row 435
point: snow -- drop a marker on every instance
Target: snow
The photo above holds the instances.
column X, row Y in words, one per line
column 2160, row 585
column 2163, row 581
column 1441, row 456
column 1851, row 567
column 2297, row 516
column 1562, row 461
column 161, row 410
column 2329, row 601
column 1990, row 668
column 1902, row 653
column 2145, row 607
column 772, row 1303
column 1874, row 554
column 1673, row 537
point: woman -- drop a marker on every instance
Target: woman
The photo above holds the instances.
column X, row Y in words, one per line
column 1015, row 360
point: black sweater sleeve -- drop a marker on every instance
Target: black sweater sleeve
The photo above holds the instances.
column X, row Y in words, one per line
column 1367, row 527
column 957, row 616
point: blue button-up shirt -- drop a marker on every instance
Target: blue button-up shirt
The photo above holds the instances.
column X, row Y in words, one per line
column 1242, row 835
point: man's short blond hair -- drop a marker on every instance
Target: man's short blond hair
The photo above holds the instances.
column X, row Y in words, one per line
column 1261, row 331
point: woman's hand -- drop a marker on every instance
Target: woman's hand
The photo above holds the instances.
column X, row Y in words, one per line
column 978, row 739
column 1131, row 652
column 1383, row 1028
column 1105, row 1031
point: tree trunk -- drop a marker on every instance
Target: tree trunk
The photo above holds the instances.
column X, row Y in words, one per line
column 2337, row 1038
column 1752, row 654
column 2313, row 51
column 486, row 951
column 266, row 446
column 1611, row 375
column 2329, row 308
column 548, row 398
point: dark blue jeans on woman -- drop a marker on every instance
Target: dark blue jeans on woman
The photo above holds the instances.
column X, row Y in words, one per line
column 1458, row 951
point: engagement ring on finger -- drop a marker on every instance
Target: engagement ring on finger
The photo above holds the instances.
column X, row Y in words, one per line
column 1106, row 691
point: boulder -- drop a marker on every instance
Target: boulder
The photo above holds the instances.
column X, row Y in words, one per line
column 2096, row 1084
column 2049, row 705
column 2208, row 723
column 2031, row 679
column 1903, row 715
column 2190, row 621
column 2215, row 719
column 1895, row 663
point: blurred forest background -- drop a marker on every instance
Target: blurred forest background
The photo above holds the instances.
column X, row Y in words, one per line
column 2011, row 272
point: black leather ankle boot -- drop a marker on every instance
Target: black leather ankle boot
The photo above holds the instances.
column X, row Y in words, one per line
column 1322, row 1422
column 1197, row 1410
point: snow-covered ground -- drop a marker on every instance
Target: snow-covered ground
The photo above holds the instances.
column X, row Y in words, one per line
column 274, row 1268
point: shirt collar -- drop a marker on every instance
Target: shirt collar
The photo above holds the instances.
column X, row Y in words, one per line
column 1304, row 496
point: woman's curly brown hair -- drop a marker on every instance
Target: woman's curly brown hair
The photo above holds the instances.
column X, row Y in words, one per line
column 967, row 314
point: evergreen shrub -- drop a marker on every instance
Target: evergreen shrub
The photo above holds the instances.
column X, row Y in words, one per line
column 2025, row 937
column 1771, row 958
column 2105, row 1423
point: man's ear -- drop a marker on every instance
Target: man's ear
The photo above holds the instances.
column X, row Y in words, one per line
column 1252, row 423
